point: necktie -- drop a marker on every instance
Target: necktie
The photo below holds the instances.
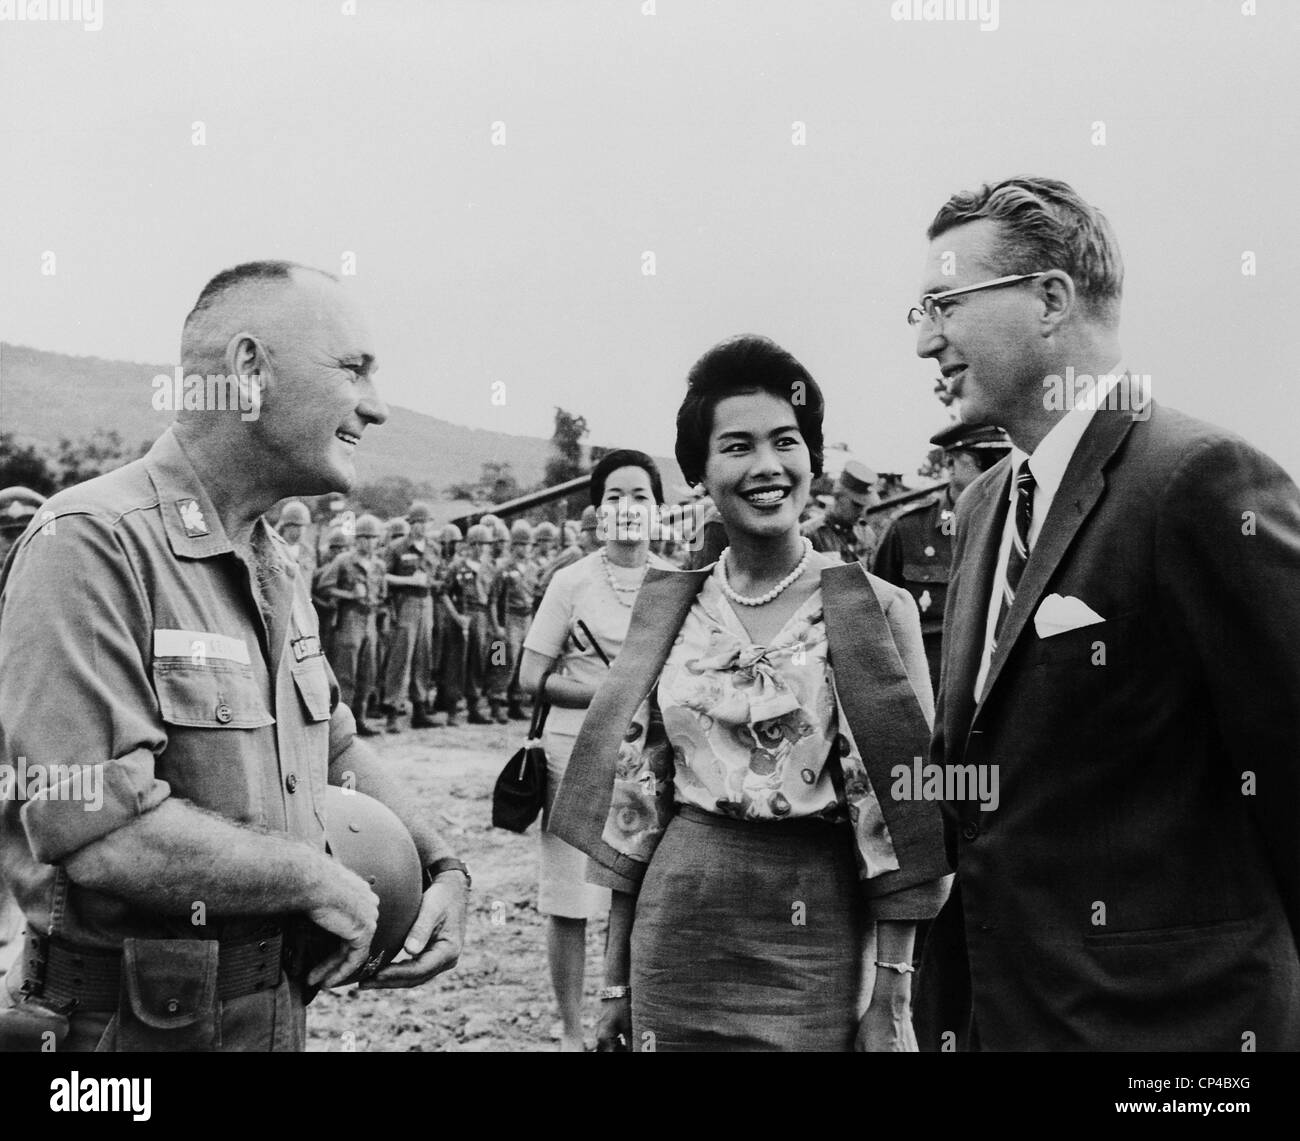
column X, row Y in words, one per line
column 1018, row 555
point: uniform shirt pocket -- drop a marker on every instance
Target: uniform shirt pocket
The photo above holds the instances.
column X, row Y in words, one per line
column 216, row 695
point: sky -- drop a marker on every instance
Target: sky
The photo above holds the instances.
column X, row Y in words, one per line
column 501, row 175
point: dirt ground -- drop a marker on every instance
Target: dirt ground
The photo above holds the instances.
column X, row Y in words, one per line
column 499, row 996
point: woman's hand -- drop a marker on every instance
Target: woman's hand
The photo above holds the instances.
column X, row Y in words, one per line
column 614, row 1026
column 886, row 1027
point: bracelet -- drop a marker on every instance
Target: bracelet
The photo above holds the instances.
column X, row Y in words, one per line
column 901, row 968
column 606, row 992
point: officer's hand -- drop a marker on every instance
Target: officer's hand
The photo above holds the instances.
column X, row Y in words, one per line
column 435, row 937
column 361, row 591
column 420, row 578
column 351, row 912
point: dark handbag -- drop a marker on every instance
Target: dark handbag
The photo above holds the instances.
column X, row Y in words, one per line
column 520, row 791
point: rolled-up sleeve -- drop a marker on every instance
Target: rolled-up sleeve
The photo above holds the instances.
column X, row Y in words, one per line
column 79, row 719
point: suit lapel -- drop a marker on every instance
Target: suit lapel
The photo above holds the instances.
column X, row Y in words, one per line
column 581, row 805
column 973, row 579
column 1080, row 489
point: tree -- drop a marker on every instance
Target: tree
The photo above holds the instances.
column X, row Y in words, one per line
column 24, row 466
column 935, row 465
column 81, row 460
column 566, row 463
column 389, row 496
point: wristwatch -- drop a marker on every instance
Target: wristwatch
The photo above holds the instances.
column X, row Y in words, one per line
column 446, row 864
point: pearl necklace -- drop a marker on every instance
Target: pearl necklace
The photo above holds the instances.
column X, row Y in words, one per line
column 771, row 594
column 618, row 590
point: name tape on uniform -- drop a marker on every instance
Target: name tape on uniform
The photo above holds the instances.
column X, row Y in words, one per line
column 198, row 645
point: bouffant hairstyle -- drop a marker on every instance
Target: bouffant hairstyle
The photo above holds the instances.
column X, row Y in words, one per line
column 740, row 366
column 624, row 457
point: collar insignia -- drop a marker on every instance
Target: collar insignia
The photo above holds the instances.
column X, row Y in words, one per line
column 192, row 518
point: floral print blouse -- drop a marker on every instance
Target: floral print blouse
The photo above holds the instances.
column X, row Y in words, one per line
column 754, row 734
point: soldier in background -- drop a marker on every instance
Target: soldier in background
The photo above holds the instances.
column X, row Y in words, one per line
column 837, row 530
column 454, row 651
column 18, row 507
column 337, row 542
column 545, row 536
column 294, row 517
column 395, row 530
column 916, row 552
column 512, row 607
column 448, row 636
column 412, row 565
column 355, row 581
column 469, row 585
column 583, row 542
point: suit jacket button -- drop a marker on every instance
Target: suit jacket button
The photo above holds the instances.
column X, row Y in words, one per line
column 225, row 714
column 970, row 831
column 291, row 782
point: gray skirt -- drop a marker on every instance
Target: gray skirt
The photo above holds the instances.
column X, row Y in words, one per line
column 748, row 936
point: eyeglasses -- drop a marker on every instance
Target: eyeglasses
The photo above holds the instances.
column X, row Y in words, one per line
column 929, row 307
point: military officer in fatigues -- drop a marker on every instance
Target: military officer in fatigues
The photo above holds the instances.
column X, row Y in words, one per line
column 839, row 529
column 512, row 607
column 177, row 846
column 18, row 507
column 413, row 565
column 356, row 583
column 916, row 552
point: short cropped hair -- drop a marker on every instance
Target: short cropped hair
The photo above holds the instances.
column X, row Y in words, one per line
column 244, row 274
column 624, row 457
column 1045, row 224
column 741, row 366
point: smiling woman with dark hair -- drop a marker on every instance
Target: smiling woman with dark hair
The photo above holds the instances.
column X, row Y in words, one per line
column 732, row 779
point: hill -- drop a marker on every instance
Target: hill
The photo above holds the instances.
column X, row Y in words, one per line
column 46, row 396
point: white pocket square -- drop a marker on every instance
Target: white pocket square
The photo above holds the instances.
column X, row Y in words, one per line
column 1058, row 613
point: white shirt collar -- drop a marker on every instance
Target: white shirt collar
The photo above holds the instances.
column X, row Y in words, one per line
column 1056, row 449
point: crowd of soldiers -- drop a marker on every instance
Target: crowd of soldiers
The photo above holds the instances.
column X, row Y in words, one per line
column 426, row 622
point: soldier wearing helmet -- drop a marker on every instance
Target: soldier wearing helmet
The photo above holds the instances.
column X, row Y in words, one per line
column 413, row 571
column 512, row 606
column 449, row 627
column 584, row 542
column 450, row 537
column 396, row 529
column 337, row 540
column 295, row 518
column 355, row 583
column 469, row 586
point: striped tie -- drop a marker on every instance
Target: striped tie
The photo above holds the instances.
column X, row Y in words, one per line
column 1018, row 555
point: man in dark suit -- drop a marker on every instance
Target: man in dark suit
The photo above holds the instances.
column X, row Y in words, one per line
column 1122, row 641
